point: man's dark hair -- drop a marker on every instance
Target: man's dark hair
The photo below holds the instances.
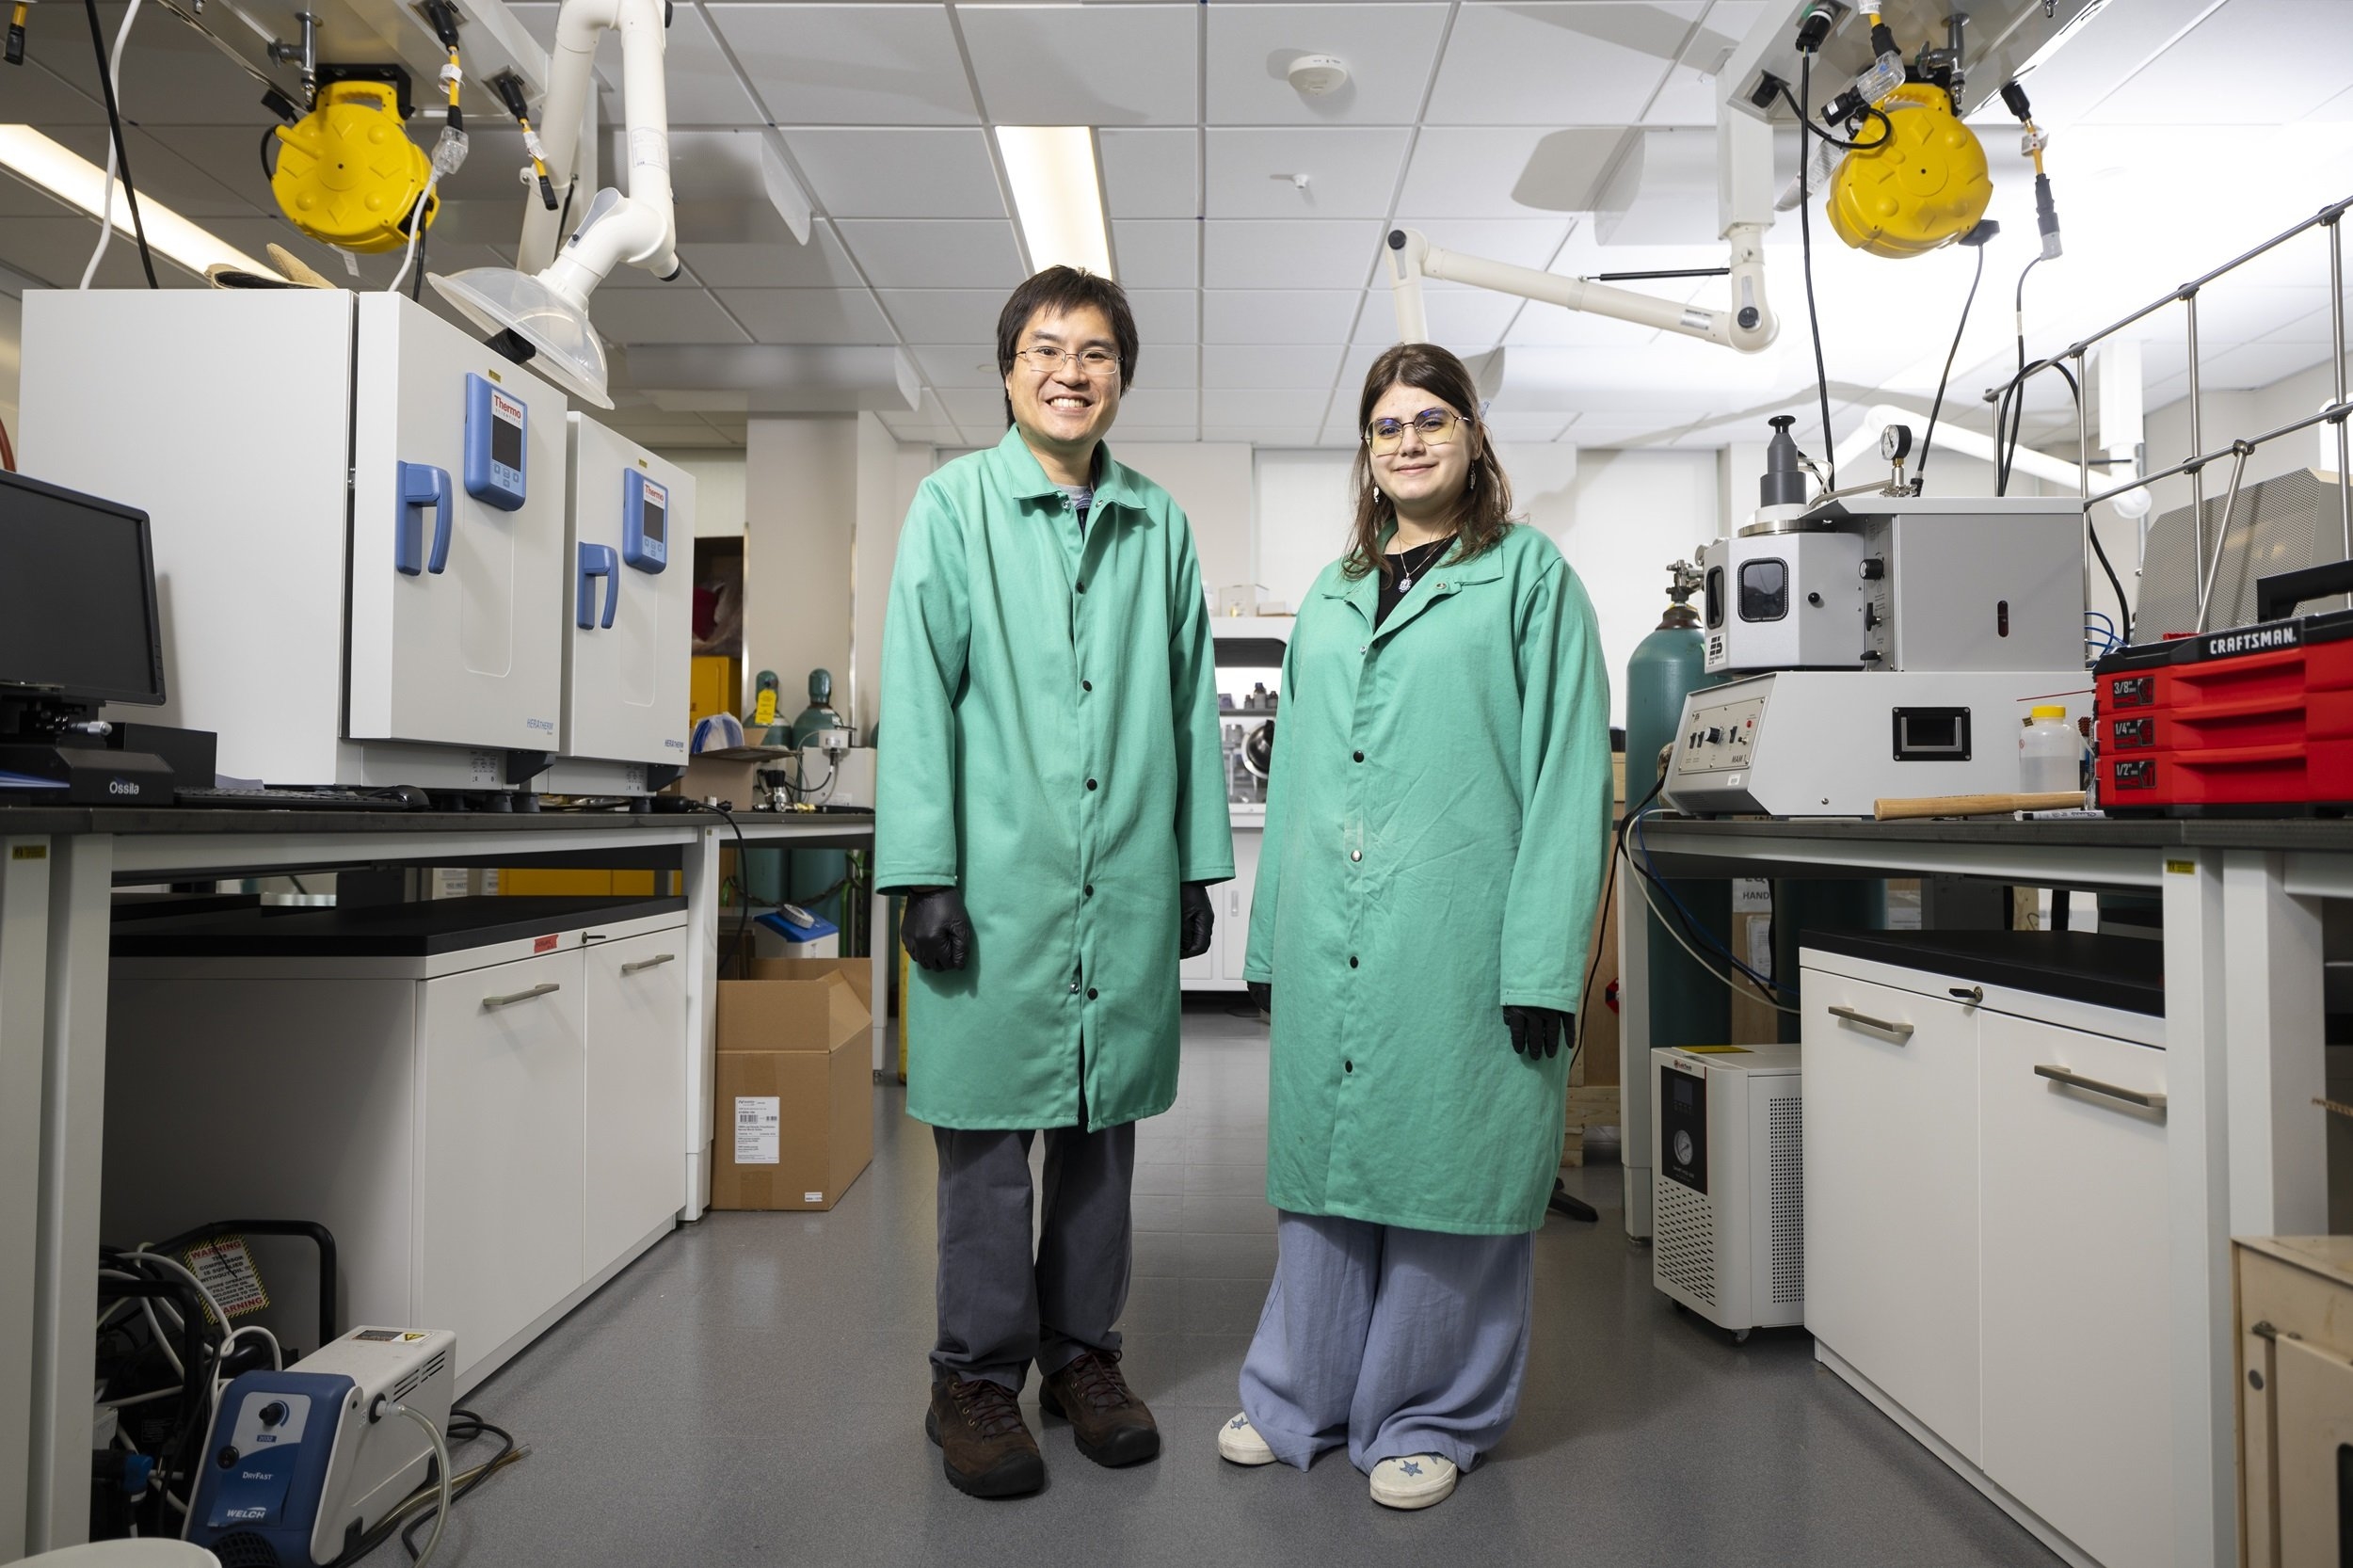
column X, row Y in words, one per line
column 1055, row 291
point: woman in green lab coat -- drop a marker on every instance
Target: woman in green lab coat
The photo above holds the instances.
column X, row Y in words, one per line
column 1434, row 842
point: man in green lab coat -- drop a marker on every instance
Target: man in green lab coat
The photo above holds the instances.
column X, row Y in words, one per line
column 1051, row 799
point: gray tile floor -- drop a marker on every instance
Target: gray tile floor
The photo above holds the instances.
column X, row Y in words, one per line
column 752, row 1392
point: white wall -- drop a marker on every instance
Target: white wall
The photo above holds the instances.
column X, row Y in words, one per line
column 719, row 494
column 801, row 517
column 1211, row 481
column 12, row 361
column 1628, row 515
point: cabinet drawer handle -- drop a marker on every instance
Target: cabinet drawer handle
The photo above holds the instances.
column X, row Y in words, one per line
column 647, row 963
column 1900, row 1033
column 1971, row 995
column 2146, row 1099
column 488, row 1002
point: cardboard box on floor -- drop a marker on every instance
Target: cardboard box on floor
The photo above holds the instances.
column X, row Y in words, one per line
column 792, row 1126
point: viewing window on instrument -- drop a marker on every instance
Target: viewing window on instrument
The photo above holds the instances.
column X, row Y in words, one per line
column 1764, row 590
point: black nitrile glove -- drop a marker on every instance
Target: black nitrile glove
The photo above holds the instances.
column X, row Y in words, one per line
column 1539, row 1031
column 937, row 931
column 1262, row 996
column 1197, row 918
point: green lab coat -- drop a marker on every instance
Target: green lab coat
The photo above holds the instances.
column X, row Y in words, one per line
column 1436, row 833
column 1049, row 746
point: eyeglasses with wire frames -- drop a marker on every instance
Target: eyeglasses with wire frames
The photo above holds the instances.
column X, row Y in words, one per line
column 1436, row 426
column 1045, row 359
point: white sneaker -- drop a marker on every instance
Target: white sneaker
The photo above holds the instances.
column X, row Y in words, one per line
column 1239, row 1443
column 1416, row 1481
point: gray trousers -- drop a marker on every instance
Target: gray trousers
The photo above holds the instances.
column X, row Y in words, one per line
column 1393, row 1341
column 1004, row 1306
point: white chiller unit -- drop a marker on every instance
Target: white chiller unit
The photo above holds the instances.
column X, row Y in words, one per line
column 1728, row 1200
column 364, row 569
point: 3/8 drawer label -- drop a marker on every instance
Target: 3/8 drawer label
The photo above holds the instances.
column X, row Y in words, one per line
column 2133, row 691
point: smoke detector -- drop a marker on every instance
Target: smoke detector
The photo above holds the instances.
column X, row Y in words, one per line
column 1317, row 74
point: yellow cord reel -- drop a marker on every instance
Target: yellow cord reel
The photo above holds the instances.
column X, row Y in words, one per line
column 1925, row 187
column 347, row 174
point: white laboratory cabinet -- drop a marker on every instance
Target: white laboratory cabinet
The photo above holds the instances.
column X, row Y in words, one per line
column 629, row 627
column 490, row 1128
column 1986, row 1234
column 358, row 523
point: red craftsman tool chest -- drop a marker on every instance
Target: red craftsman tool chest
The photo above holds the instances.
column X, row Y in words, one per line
column 2255, row 720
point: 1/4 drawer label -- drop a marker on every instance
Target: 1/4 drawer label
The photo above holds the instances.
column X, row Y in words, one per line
column 2132, row 734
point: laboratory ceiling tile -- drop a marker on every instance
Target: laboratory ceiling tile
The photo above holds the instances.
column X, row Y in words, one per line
column 159, row 171
column 780, row 264
column 1166, row 317
column 1280, row 254
column 1248, row 405
column 922, row 253
column 1543, row 325
column 850, row 65
column 1351, row 171
column 1539, row 64
column 1389, row 50
column 702, row 86
column 1150, row 406
column 1688, row 95
column 1158, row 253
column 944, row 315
column 38, row 96
column 1086, row 65
column 1261, row 434
column 666, row 316
column 899, row 172
column 54, row 250
column 1269, row 364
column 1316, row 316
column 808, row 315
column 1151, row 173
column 171, row 73
column 982, row 412
column 2259, row 364
column 1125, row 435
column 2227, row 71
column 1168, row 366
column 1466, row 320
column 1504, row 172
column 962, row 365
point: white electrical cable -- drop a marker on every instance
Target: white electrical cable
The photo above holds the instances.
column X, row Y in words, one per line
column 106, row 195
column 440, row 1458
column 416, row 228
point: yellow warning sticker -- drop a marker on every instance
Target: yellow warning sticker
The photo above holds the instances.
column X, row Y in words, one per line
column 2182, row 868
column 28, row 852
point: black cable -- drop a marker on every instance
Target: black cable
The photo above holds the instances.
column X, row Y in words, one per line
column 416, row 284
column 123, row 152
column 1920, row 471
column 1674, row 909
column 464, row 1427
column 1887, row 126
column 2015, row 400
column 1805, row 240
column 270, row 165
column 743, row 892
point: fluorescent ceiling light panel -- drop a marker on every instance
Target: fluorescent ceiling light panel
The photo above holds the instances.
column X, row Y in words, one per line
column 74, row 179
column 1057, row 195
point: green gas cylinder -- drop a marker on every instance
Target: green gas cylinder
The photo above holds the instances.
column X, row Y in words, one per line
column 1689, row 1006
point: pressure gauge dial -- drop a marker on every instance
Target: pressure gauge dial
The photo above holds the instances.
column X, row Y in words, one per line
column 1895, row 442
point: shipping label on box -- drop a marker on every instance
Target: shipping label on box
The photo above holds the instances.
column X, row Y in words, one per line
column 759, row 1129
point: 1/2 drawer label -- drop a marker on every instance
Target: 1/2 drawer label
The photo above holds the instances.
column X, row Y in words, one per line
column 2140, row 774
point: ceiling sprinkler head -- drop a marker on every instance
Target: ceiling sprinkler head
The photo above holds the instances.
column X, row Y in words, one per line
column 1317, row 75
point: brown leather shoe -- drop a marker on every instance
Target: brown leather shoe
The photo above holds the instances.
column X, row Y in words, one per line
column 1110, row 1424
column 985, row 1445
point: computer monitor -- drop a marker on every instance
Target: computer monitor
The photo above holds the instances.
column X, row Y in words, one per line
column 78, row 596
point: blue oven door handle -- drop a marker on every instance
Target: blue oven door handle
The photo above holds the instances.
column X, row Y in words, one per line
column 597, row 560
column 422, row 484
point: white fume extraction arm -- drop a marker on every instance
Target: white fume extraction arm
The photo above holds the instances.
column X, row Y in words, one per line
column 1744, row 201
column 545, row 309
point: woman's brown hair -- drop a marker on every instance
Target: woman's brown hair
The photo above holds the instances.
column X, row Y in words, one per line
column 1486, row 507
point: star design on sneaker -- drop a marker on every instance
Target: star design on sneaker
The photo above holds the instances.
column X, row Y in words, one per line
column 1238, row 1423
column 1409, row 1466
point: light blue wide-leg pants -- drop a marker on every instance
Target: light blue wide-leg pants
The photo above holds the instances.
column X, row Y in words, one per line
column 1392, row 1341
